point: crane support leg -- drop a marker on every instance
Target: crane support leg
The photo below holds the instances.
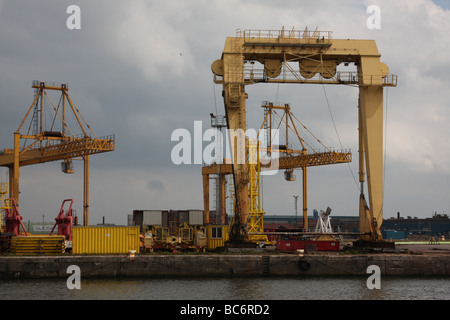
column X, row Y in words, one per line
column 236, row 122
column 14, row 171
column 86, row 192
column 206, row 199
column 234, row 98
column 305, row 199
column 371, row 120
column 222, row 198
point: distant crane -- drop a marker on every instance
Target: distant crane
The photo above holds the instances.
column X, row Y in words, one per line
column 311, row 152
column 259, row 158
column 53, row 140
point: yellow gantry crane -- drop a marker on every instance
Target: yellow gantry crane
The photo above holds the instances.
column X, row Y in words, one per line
column 53, row 140
column 302, row 57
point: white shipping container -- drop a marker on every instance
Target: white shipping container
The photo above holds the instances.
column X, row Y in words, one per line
column 195, row 217
column 152, row 218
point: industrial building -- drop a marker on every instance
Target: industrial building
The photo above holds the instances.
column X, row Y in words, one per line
column 392, row 228
column 437, row 225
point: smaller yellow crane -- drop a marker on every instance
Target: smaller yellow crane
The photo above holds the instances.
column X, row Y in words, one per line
column 52, row 139
column 262, row 159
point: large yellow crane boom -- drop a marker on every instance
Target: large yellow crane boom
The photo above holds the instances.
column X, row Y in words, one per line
column 52, row 142
column 310, row 57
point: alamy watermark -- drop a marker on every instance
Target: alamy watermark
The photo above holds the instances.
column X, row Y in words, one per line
column 374, row 281
column 189, row 149
column 74, row 280
column 374, row 20
column 74, row 20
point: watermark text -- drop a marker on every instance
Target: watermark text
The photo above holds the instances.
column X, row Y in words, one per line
column 374, row 281
column 190, row 150
column 374, row 20
column 74, row 20
column 74, row 280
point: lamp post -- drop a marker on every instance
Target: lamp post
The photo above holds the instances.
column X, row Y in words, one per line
column 295, row 206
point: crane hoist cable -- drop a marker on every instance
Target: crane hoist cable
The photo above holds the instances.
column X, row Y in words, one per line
column 214, row 93
column 337, row 134
column 278, row 90
column 385, row 146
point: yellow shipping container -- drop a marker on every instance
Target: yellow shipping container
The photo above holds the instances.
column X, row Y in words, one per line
column 105, row 240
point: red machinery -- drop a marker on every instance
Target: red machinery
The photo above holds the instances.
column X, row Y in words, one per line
column 314, row 245
column 64, row 221
column 13, row 220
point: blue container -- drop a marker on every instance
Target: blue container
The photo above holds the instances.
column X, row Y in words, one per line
column 393, row 234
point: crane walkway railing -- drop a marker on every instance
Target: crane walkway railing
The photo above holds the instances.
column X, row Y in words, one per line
column 258, row 35
column 289, row 74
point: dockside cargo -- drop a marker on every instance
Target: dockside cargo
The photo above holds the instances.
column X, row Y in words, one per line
column 32, row 245
column 105, row 240
column 166, row 218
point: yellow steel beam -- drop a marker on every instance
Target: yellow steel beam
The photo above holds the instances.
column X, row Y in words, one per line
column 46, row 86
column 206, row 198
column 291, row 162
column 313, row 159
column 86, row 191
column 77, row 147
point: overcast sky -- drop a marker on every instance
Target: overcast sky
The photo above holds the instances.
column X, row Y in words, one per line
column 141, row 69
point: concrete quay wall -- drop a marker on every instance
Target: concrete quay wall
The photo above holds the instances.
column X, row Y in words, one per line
column 223, row 265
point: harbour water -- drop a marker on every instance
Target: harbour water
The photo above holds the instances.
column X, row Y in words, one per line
column 298, row 288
